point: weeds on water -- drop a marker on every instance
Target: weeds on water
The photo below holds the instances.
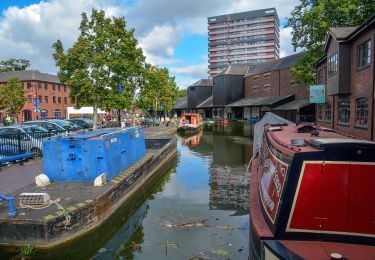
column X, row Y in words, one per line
column 26, row 250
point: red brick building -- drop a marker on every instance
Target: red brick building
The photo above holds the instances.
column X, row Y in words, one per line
column 347, row 71
column 270, row 86
column 46, row 96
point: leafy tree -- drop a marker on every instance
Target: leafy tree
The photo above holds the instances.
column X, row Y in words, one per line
column 12, row 97
column 104, row 55
column 159, row 90
column 181, row 93
column 310, row 21
column 14, row 65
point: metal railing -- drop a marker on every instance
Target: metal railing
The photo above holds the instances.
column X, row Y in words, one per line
column 20, row 143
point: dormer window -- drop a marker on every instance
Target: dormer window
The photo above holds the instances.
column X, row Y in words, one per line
column 332, row 64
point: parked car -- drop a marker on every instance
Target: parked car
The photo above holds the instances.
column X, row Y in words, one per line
column 84, row 123
column 9, row 149
column 54, row 125
column 27, row 137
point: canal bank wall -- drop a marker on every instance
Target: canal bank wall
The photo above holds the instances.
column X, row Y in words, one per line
column 53, row 230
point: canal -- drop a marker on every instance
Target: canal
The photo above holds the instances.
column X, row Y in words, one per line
column 197, row 209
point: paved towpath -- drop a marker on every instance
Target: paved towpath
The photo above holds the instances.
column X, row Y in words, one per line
column 14, row 177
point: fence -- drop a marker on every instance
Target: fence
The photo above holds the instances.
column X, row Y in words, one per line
column 19, row 143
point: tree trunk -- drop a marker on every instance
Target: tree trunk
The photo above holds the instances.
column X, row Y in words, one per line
column 95, row 116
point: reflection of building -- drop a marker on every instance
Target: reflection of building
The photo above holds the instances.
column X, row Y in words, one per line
column 229, row 188
column 46, row 96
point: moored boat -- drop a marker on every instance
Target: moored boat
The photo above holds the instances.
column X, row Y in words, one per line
column 311, row 193
column 190, row 124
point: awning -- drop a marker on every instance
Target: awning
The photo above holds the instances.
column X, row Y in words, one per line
column 269, row 101
column 207, row 103
column 293, row 105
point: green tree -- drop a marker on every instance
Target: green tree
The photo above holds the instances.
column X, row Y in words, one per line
column 14, row 65
column 159, row 90
column 12, row 97
column 104, row 55
column 181, row 93
column 310, row 21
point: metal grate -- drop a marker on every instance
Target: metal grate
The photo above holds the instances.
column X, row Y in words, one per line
column 39, row 199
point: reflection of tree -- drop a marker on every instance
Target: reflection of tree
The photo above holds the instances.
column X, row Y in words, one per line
column 134, row 244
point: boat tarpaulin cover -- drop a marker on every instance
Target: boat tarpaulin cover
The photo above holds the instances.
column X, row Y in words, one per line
column 268, row 118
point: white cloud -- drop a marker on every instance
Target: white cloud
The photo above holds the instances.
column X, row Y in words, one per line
column 197, row 71
column 160, row 25
column 158, row 44
column 29, row 32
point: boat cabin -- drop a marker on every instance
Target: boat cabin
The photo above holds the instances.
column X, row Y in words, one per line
column 191, row 119
column 312, row 184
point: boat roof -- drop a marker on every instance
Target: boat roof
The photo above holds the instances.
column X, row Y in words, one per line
column 284, row 134
column 190, row 114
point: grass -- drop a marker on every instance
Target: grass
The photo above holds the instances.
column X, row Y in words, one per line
column 26, row 250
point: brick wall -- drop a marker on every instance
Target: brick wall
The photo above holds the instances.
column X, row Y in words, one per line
column 46, row 92
column 278, row 82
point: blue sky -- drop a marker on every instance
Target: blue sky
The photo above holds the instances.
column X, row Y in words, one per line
column 172, row 33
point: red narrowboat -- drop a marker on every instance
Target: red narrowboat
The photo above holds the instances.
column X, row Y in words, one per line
column 312, row 193
column 190, row 124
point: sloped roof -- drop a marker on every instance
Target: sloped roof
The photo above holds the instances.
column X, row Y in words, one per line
column 341, row 33
column 207, row 103
column 285, row 62
column 261, row 101
column 203, row 82
column 29, row 75
column 181, row 103
column 293, row 105
column 234, row 69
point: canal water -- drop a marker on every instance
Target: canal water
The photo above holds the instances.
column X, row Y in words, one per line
column 197, row 209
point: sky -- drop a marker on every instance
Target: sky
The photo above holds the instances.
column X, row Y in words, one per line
column 172, row 33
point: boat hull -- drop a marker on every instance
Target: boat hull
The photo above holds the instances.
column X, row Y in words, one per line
column 189, row 130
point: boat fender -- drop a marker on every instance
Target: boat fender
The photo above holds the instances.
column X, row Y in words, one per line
column 42, row 180
column 100, row 180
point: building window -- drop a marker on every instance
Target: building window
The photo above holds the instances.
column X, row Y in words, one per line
column 332, row 64
column 364, row 54
column 293, row 83
column 44, row 113
column 361, row 118
column 328, row 112
column 29, row 86
column 320, row 112
column 320, row 76
column 59, row 100
column 58, row 88
column 344, row 112
column 256, row 78
column 39, row 85
column 64, row 88
column 40, row 99
column 45, row 99
column 54, row 99
column 267, row 86
column 267, row 76
column 29, row 99
column 45, row 86
column 65, row 100
column 54, row 87
column 57, row 113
